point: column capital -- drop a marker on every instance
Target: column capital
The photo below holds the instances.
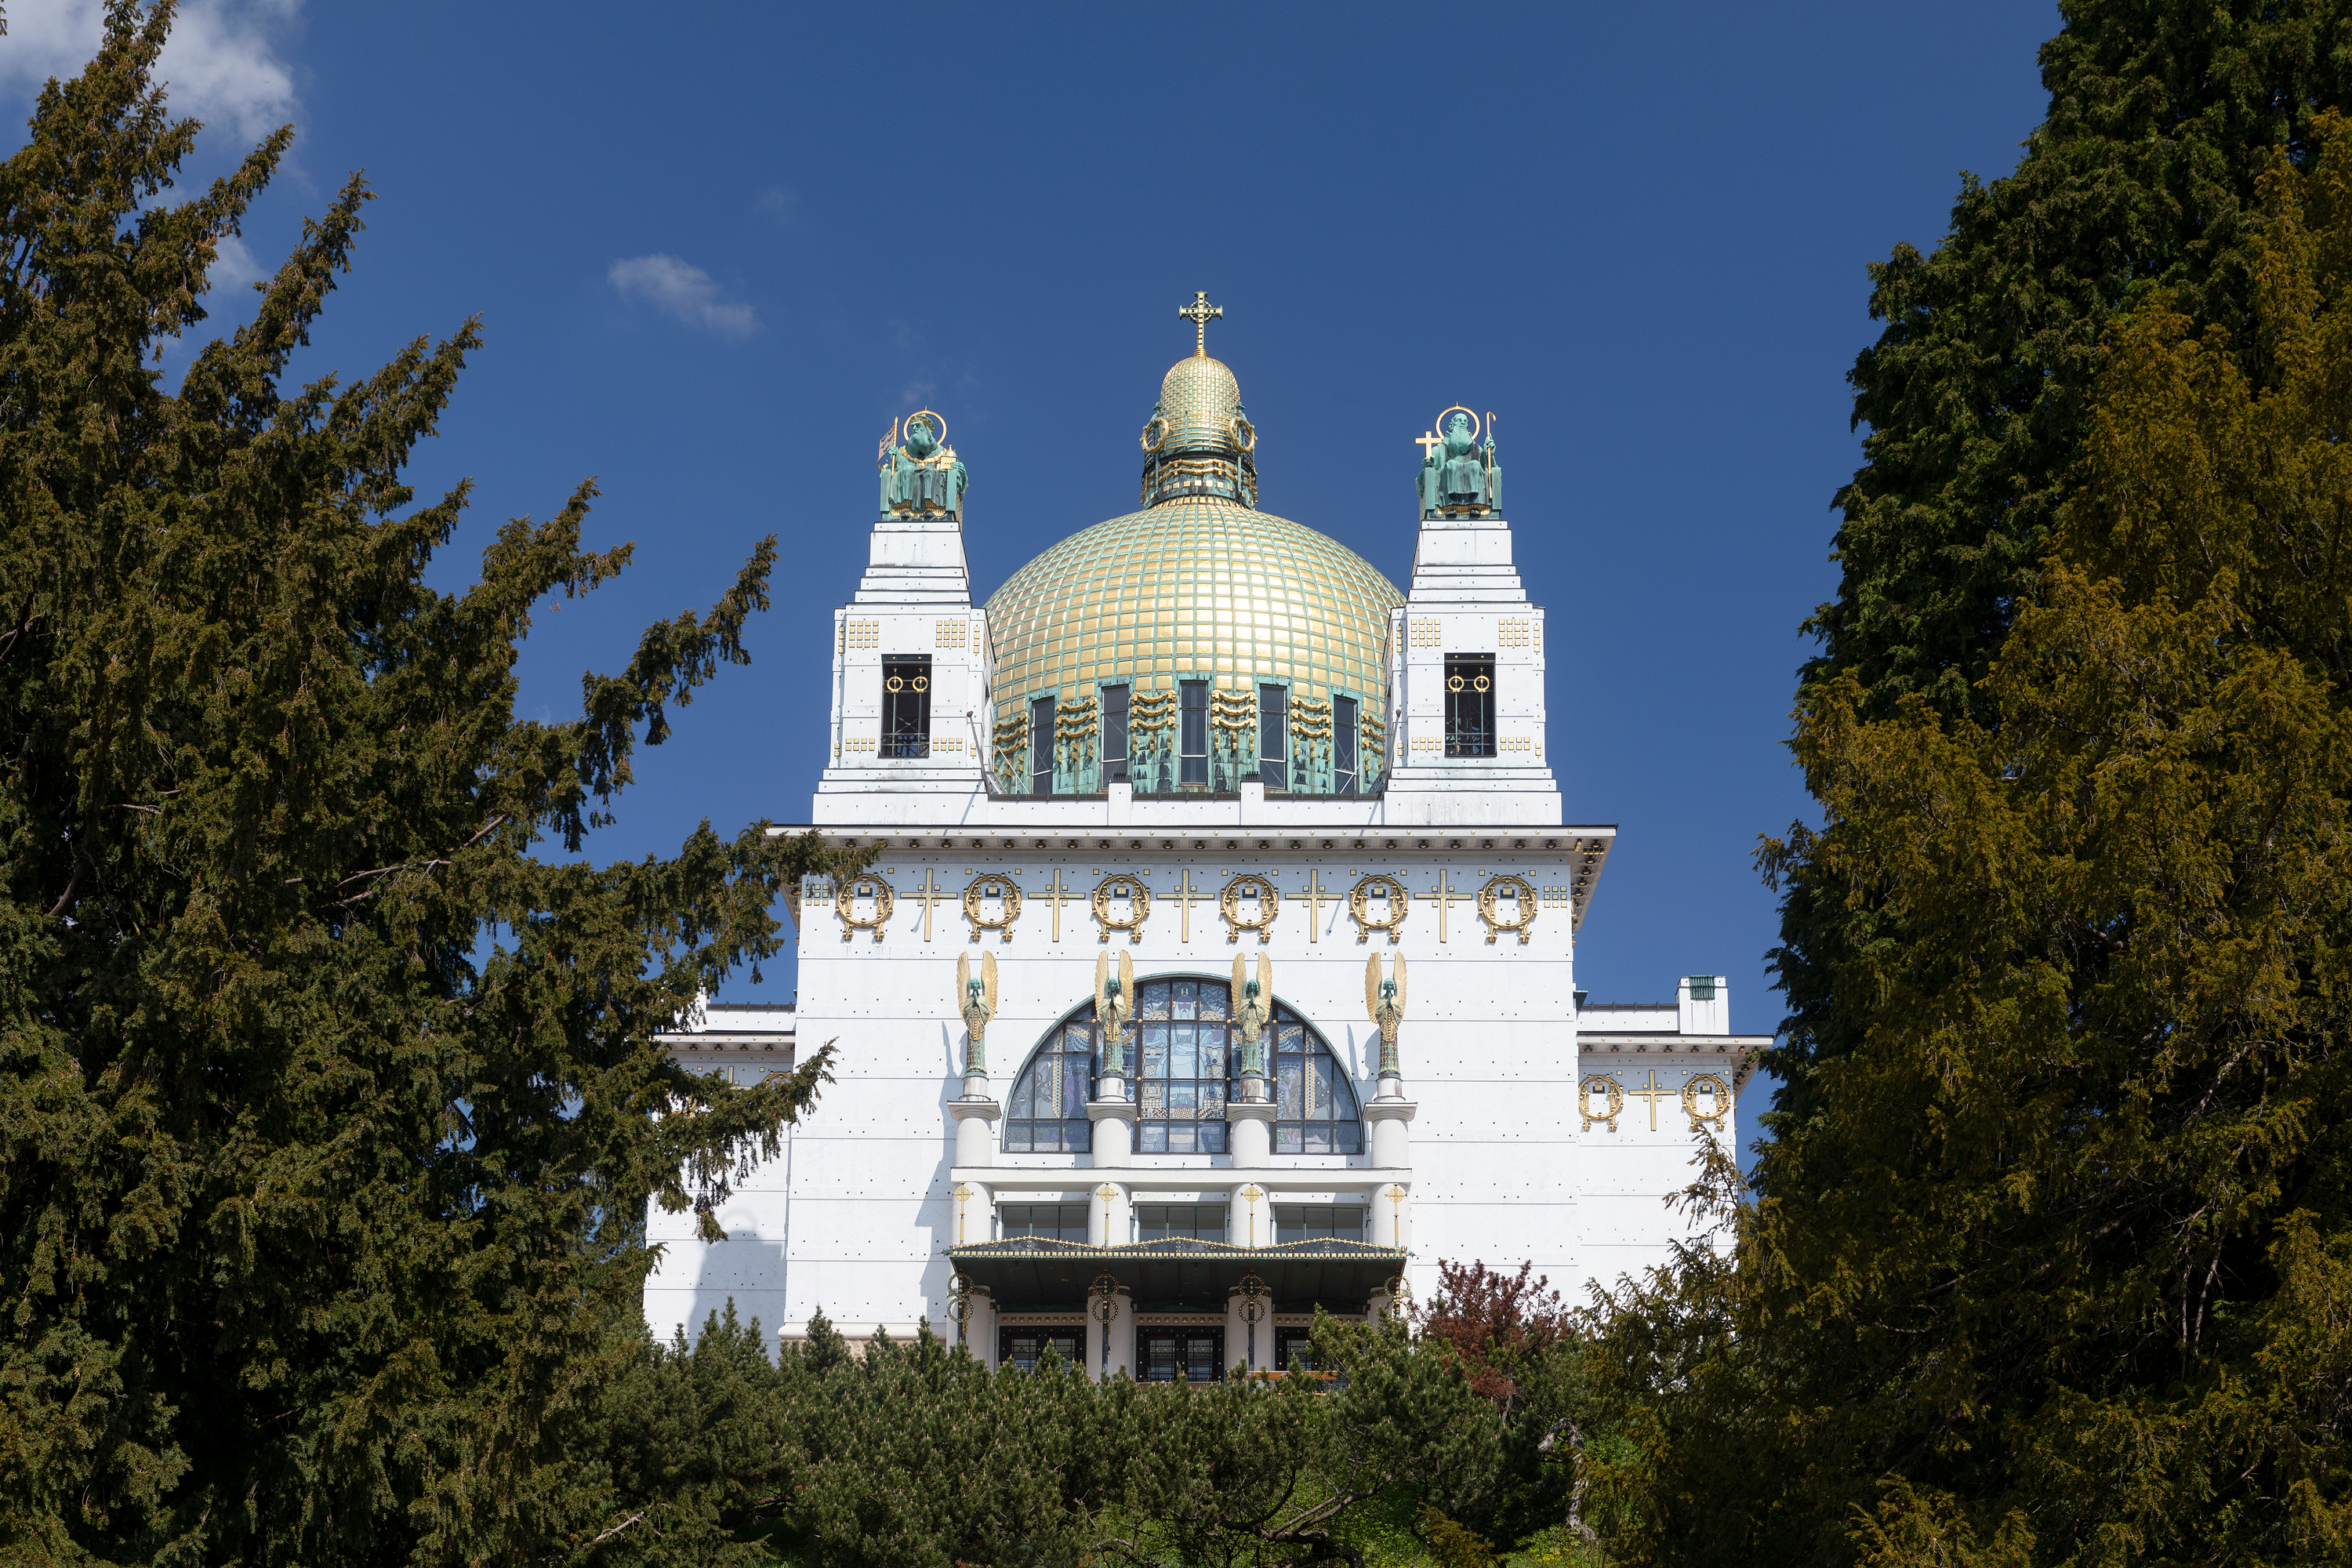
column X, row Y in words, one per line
column 970, row 1110
column 1387, row 1110
column 1249, row 1110
column 1112, row 1110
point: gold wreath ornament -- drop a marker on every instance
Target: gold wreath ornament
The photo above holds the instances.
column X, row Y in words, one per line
column 975, row 905
column 1139, row 902
column 1489, row 910
column 1360, row 907
column 1712, row 1118
column 1269, row 904
column 844, row 904
column 1616, row 1093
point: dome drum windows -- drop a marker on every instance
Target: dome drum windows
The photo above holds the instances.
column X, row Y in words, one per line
column 1188, row 1065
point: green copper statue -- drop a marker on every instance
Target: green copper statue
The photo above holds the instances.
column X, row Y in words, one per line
column 1459, row 476
column 921, row 476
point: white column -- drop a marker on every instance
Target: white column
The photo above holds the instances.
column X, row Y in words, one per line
column 1122, row 1338
column 1114, row 1119
column 1391, row 1143
column 1249, row 1222
column 975, row 1125
column 1253, row 1132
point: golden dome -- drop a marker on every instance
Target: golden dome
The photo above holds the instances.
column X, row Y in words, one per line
column 1195, row 588
column 1200, row 400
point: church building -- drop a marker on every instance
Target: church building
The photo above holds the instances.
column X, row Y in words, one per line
column 1217, row 960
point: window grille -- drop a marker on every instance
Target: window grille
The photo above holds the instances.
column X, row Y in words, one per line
column 1167, row 1355
column 1040, row 746
column 1192, row 734
column 1114, row 734
column 1023, row 1347
column 1344, row 774
column 1273, row 727
column 1469, row 704
column 907, row 705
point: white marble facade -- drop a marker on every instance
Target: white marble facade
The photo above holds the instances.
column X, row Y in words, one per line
column 1500, row 1144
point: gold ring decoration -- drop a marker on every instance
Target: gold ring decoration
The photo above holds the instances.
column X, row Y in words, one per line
column 1453, row 683
column 1360, row 907
column 1244, row 433
column 893, row 684
column 1269, row 904
column 1155, row 431
column 1399, row 1305
column 1005, row 888
column 1479, row 683
column 1691, row 1086
column 1496, row 924
column 939, row 424
column 1616, row 1092
column 1139, row 899
column 922, row 683
column 844, row 904
column 1457, row 408
column 960, row 1297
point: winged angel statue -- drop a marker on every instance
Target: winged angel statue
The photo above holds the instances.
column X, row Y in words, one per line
column 1384, row 1006
column 1253, row 1007
column 976, row 994
column 1114, row 1006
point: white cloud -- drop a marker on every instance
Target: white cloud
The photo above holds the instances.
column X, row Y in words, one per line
column 221, row 62
column 778, row 203
column 678, row 289
column 234, row 265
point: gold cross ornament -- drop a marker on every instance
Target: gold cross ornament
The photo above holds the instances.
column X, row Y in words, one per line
column 1250, row 1196
column 928, row 895
column 1442, row 896
column 1314, row 892
column 1199, row 313
column 1185, row 895
column 1652, row 1094
column 1058, row 895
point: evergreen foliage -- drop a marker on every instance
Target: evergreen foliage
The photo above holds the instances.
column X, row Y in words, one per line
column 2139, row 183
column 322, row 1211
column 2060, row 1270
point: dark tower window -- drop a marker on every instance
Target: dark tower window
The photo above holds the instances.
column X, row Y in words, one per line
column 1469, row 704
column 1343, row 745
column 1114, row 734
column 907, row 705
column 1040, row 746
column 1273, row 727
column 1193, row 746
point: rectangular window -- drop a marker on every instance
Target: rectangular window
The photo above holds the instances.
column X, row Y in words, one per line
column 1114, row 734
column 1053, row 1222
column 1469, row 704
column 907, row 705
column 1272, row 731
column 1193, row 742
column 1040, row 746
column 1193, row 1355
column 1344, row 776
column 1319, row 1222
column 1183, row 1222
column 1021, row 1347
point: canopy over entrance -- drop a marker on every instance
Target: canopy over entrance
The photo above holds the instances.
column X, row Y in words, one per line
column 1032, row 1273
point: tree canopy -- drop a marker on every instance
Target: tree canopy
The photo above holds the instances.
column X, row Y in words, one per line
column 332, row 1109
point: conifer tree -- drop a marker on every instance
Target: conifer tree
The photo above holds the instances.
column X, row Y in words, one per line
column 2162, row 115
column 2060, row 1268
column 332, row 1110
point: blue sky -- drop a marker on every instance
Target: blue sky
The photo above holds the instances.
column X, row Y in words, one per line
column 717, row 248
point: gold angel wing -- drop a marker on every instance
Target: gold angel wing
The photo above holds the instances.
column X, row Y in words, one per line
column 1372, row 987
column 964, row 980
column 1102, row 986
column 1240, row 970
column 1400, row 1000
column 1265, row 984
column 988, row 981
column 1126, row 982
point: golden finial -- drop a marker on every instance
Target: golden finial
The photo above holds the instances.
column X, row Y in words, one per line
column 1199, row 313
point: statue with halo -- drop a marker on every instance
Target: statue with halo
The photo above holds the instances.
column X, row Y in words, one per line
column 920, row 474
column 1459, row 476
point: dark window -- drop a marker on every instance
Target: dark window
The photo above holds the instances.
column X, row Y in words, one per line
column 1273, row 729
column 1040, row 746
column 1047, row 1113
column 1319, row 1222
column 1195, row 1355
column 1344, row 776
column 907, row 705
column 1192, row 747
column 1294, row 1344
column 1185, row 1066
column 1054, row 1222
column 1192, row 1222
column 1023, row 1347
column 1113, row 733
column 1469, row 704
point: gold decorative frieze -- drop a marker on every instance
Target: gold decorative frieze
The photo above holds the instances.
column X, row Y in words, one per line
column 872, row 891
column 1109, row 893
column 1256, row 889
column 1612, row 1095
column 1395, row 904
column 1524, row 905
column 1710, row 1084
column 992, row 902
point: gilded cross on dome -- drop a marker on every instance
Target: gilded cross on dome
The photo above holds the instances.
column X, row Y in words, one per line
column 1199, row 313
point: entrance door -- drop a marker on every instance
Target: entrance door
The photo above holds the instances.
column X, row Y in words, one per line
column 1196, row 1355
column 1020, row 1346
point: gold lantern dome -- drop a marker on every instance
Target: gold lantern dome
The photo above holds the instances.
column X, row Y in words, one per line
column 1199, row 587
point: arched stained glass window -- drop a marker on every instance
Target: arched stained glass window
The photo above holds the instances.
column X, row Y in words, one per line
column 1188, row 1065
